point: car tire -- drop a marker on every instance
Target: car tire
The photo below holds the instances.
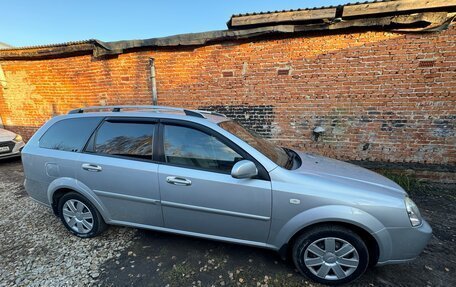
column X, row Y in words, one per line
column 80, row 216
column 330, row 254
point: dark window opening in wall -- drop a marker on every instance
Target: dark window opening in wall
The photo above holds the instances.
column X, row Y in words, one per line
column 426, row 63
column 227, row 74
column 283, row 72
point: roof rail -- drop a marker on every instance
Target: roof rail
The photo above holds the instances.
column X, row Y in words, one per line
column 194, row 113
column 211, row 113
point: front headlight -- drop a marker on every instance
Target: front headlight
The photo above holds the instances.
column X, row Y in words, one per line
column 413, row 212
column 18, row 138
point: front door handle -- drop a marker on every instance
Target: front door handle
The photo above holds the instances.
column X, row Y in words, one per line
column 91, row 167
column 178, row 180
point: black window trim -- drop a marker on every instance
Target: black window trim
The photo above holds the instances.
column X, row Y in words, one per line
column 91, row 141
column 160, row 152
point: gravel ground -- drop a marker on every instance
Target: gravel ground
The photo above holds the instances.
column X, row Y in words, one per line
column 36, row 250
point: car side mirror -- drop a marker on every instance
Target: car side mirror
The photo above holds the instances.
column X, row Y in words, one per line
column 244, row 169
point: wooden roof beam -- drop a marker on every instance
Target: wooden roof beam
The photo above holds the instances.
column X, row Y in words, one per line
column 395, row 6
column 280, row 17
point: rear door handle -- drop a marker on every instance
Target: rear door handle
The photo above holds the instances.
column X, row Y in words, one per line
column 178, row 181
column 91, row 167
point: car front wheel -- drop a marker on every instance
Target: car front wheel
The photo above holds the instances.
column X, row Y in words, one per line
column 330, row 255
column 79, row 216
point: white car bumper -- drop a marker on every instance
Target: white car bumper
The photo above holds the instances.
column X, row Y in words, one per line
column 10, row 148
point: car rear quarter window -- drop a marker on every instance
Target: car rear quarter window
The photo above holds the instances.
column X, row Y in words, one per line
column 127, row 139
column 69, row 134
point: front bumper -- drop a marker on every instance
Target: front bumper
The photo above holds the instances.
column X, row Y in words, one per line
column 15, row 149
column 405, row 244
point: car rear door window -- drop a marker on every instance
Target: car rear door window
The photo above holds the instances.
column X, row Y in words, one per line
column 189, row 147
column 127, row 139
column 69, row 134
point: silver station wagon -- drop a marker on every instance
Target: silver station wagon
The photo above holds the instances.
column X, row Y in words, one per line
column 199, row 173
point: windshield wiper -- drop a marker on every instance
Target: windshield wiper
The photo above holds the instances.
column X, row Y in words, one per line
column 291, row 158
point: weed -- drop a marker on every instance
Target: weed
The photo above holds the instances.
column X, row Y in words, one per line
column 179, row 275
column 408, row 182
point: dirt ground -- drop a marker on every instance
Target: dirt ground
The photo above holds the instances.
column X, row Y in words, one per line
column 131, row 257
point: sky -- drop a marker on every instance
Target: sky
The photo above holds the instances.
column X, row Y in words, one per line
column 32, row 22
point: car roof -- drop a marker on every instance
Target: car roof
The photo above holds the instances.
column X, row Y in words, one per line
column 149, row 111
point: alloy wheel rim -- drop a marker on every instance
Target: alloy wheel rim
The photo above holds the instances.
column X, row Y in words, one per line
column 331, row 258
column 78, row 216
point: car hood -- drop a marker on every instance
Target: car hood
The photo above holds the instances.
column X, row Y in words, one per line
column 6, row 135
column 335, row 169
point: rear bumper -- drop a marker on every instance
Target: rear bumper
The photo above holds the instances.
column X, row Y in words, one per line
column 37, row 191
column 405, row 243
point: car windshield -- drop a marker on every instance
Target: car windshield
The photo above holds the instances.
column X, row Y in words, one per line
column 280, row 156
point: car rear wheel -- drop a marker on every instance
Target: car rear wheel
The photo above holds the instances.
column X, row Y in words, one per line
column 79, row 216
column 330, row 255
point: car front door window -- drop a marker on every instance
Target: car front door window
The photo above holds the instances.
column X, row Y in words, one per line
column 189, row 147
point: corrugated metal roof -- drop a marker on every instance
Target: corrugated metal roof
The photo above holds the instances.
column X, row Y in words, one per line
column 5, row 46
column 306, row 9
column 64, row 44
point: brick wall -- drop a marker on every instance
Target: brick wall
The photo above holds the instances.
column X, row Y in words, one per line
column 380, row 96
